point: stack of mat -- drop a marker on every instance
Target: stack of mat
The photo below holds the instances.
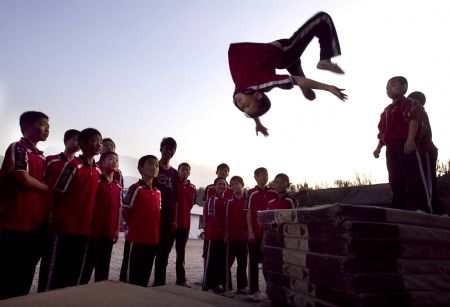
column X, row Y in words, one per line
column 350, row 255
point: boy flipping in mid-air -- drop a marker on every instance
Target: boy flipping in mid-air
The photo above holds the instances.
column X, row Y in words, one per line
column 252, row 67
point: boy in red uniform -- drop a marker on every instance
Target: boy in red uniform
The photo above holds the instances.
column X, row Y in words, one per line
column 281, row 185
column 54, row 165
column 236, row 236
column 429, row 154
column 109, row 145
column 215, row 272
column 23, row 211
column 222, row 171
column 72, row 211
column 106, row 218
column 398, row 127
column 253, row 65
column 141, row 211
column 186, row 199
column 257, row 200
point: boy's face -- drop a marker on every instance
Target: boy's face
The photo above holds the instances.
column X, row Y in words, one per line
column 221, row 186
column 394, row 89
column 222, row 172
column 108, row 146
column 262, row 178
column 184, row 171
column 167, row 152
column 247, row 103
column 38, row 131
column 93, row 146
column 280, row 185
column 72, row 144
column 236, row 186
column 110, row 163
column 150, row 168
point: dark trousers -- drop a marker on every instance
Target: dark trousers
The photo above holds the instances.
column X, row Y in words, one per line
column 215, row 273
column 20, row 252
column 321, row 26
column 237, row 250
column 429, row 160
column 137, row 263
column 181, row 238
column 98, row 257
column 405, row 179
column 255, row 256
column 166, row 239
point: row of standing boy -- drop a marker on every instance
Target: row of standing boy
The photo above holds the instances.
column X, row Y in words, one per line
column 232, row 230
column 65, row 211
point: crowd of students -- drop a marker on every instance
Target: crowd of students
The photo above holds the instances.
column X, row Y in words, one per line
column 65, row 211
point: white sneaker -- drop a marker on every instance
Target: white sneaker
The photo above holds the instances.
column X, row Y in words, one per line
column 256, row 297
column 242, row 291
column 186, row 284
column 330, row 66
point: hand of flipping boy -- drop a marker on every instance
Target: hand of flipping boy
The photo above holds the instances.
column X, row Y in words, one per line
column 338, row 92
column 410, row 146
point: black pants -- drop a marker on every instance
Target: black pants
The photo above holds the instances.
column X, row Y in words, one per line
column 215, row 273
column 237, row 250
column 321, row 26
column 405, row 179
column 98, row 257
column 20, row 252
column 67, row 258
column 166, row 239
column 255, row 257
column 137, row 263
column 429, row 160
column 181, row 238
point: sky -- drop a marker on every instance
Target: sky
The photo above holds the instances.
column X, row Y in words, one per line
column 139, row 71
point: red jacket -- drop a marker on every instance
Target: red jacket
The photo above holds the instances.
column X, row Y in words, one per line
column 257, row 200
column 106, row 209
column 186, row 199
column 20, row 208
column 394, row 121
column 74, row 198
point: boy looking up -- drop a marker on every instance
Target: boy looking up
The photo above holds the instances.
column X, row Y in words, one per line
column 257, row 200
column 73, row 207
column 186, row 199
column 23, row 211
column 106, row 218
column 236, row 236
column 141, row 211
column 167, row 182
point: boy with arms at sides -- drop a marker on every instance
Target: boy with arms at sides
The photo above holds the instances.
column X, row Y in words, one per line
column 54, row 165
column 222, row 171
column 187, row 196
column 167, row 182
column 281, row 185
column 429, row 154
column 109, row 145
column 141, row 211
column 72, row 211
column 106, row 219
column 253, row 65
column 23, row 210
column 257, row 200
column 398, row 127
column 236, row 236
column 215, row 272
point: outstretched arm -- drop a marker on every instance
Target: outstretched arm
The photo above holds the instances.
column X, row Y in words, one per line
column 309, row 83
column 259, row 127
